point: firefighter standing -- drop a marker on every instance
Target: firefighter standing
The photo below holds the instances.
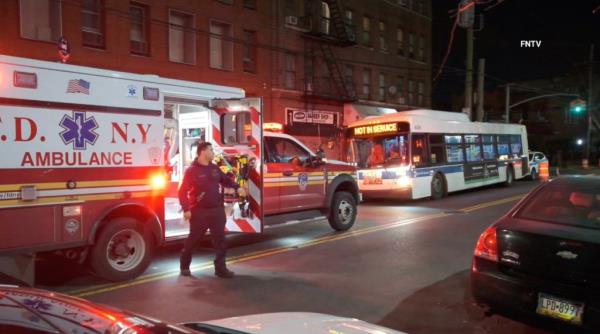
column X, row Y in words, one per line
column 202, row 203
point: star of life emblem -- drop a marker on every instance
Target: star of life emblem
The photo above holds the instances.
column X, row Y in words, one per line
column 79, row 130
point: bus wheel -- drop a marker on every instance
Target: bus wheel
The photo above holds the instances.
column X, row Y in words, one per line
column 437, row 186
column 343, row 211
column 510, row 176
column 122, row 251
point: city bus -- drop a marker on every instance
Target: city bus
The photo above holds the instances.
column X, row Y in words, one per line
column 427, row 153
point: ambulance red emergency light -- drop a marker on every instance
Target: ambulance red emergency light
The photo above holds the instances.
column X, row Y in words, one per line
column 85, row 153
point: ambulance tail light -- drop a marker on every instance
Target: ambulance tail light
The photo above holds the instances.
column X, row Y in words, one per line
column 273, row 127
column 158, row 181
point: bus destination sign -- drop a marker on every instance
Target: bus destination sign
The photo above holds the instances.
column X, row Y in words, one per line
column 375, row 129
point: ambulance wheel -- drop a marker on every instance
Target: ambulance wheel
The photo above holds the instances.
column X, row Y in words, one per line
column 534, row 175
column 122, row 250
column 343, row 211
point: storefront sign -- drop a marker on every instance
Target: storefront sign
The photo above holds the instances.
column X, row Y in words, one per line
column 375, row 129
column 313, row 116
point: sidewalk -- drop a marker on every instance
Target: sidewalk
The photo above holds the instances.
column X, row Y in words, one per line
column 574, row 170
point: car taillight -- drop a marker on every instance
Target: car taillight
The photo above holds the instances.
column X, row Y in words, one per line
column 487, row 245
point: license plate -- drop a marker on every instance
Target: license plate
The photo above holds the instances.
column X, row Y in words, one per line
column 372, row 180
column 558, row 308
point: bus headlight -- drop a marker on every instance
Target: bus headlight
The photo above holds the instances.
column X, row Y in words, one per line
column 404, row 181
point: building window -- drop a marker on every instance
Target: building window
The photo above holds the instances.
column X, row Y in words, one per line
column 138, row 33
column 382, row 44
column 366, row 28
column 325, row 18
column 290, row 71
column 366, row 83
column 422, row 48
column 249, row 51
column 400, row 42
column 40, row 19
column 349, row 15
column 92, row 23
column 411, row 45
column 182, row 38
column 420, row 7
column 411, row 92
column 294, row 8
column 221, row 49
column 250, row 4
column 382, row 86
column 349, row 76
column 400, row 89
column 420, row 93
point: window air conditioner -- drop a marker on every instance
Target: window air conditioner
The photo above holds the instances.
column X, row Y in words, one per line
column 291, row 20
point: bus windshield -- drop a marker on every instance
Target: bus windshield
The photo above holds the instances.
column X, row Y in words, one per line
column 381, row 150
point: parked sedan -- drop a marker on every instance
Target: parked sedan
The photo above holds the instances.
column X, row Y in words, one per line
column 543, row 257
column 34, row 311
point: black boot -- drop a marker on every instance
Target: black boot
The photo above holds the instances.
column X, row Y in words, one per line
column 222, row 271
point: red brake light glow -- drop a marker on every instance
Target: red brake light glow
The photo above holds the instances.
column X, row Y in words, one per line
column 487, row 245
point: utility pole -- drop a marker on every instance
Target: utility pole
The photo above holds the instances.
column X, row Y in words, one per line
column 480, row 79
column 466, row 18
column 469, row 78
column 589, row 105
column 507, row 103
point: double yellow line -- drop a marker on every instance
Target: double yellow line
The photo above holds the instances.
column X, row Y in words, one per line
column 492, row 203
column 98, row 289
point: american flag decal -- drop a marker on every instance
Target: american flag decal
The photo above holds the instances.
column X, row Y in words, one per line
column 78, row 86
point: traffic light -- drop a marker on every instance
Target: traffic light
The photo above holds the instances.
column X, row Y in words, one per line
column 577, row 106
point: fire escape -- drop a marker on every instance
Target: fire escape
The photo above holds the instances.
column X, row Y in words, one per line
column 326, row 32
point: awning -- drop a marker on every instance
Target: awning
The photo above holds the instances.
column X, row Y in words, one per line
column 354, row 112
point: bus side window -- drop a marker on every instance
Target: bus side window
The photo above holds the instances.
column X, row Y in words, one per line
column 419, row 151
column 515, row 146
column 436, row 149
column 503, row 146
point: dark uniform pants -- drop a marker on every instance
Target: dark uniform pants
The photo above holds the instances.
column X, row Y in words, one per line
column 203, row 219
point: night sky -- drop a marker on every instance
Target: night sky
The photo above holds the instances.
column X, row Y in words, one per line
column 566, row 29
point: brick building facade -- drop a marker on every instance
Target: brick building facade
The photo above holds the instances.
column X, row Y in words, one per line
column 318, row 65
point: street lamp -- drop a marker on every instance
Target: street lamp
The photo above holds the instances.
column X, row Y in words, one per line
column 579, row 142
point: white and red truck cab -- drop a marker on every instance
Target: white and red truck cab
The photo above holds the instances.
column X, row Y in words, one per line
column 92, row 159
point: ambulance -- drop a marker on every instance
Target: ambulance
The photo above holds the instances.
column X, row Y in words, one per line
column 91, row 161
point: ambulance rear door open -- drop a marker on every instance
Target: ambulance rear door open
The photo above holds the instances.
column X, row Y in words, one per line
column 234, row 127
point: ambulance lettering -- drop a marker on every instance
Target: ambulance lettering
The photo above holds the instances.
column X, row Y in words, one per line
column 122, row 131
column 19, row 125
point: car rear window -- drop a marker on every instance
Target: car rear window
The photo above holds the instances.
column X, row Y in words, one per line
column 576, row 204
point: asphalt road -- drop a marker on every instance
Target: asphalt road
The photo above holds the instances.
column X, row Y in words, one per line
column 404, row 265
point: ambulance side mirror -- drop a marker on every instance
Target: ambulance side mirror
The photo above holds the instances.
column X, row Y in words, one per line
column 314, row 161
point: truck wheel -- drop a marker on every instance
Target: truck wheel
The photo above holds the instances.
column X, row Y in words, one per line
column 437, row 186
column 122, row 251
column 510, row 176
column 343, row 211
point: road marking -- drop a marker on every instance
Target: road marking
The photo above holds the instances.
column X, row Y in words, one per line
column 492, row 203
column 102, row 288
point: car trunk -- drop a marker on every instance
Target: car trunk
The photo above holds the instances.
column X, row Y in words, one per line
column 549, row 251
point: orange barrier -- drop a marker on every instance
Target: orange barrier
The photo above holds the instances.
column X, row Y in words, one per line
column 544, row 171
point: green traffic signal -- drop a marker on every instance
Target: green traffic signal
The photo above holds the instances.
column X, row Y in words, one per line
column 578, row 106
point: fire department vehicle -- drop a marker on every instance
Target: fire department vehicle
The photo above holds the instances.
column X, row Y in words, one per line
column 92, row 159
